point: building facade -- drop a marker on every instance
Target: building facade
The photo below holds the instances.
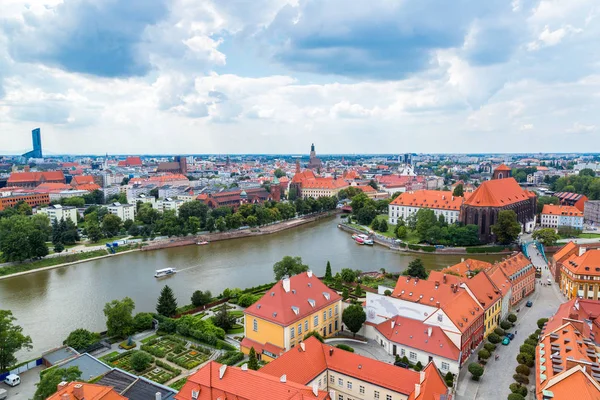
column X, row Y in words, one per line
column 33, row 199
column 561, row 216
column 58, row 212
column 441, row 202
column 123, row 211
column 580, row 274
column 591, row 211
column 521, row 273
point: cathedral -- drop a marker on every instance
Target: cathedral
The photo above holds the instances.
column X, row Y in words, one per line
column 314, row 162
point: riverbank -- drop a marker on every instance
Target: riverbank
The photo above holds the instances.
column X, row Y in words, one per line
column 239, row 234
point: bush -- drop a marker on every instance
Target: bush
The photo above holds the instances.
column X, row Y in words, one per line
column 418, row 366
column 525, row 358
column 533, row 336
column 140, row 361
column 522, row 369
column 483, row 354
column 142, row 321
column 387, row 292
column 223, row 345
column 493, row 338
column 538, row 332
column 517, row 388
column 505, row 325
column 499, row 331
column 230, row 358
column 512, row 318
column 153, row 350
column 127, row 345
column 541, row 322
column 531, row 342
column 449, row 379
column 345, row 347
column 527, row 348
column 476, row 371
column 486, row 249
column 521, row 379
column 489, row 347
column 246, row 300
column 169, row 368
column 81, row 339
column 515, row 396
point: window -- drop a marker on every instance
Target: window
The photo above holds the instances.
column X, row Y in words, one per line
column 255, row 326
column 336, row 310
column 324, row 316
column 299, row 329
column 376, row 394
column 445, row 366
column 306, row 325
column 402, row 352
column 292, row 333
column 361, row 389
column 332, row 379
column 349, row 385
column 340, row 397
column 330, row 313
column 341, row 382
column 388, row 397
column 316, row 320
column 412, row 355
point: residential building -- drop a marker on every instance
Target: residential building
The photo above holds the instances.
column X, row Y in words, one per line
column 580, row 274
column 347, row 375
column 322, row 187
column 235, row 198
column 591, row 211
column 57, row 212
column 83, row 390
column 33, row 179
column 130, row 162
column 441, row 202
column 169, row 204
column 33, row 199
column 521, row 273
column 554, row 216
column 559, row 257
column 489, row 297
column 502, row 283
column 491, row 197
column 142, row 198
column 585, row 314
column 290, row 309
column 572, row 199
column 216, row 381
column 123, row 211
column 467, row 268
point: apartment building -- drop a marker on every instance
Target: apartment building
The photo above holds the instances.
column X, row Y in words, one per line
column 441, row 202
column 554, row 216
column 58, row 212
column 580, row 274
column 123, row 211
column 591, row 211
column 169, row 204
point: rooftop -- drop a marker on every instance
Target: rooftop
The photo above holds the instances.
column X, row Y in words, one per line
column 498, row 193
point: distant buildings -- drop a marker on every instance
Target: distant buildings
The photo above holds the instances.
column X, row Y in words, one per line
column 554, row 216
column 591, row 212
column 36, row 138
column 572, row 199
column 123, row 211
column 58, row 212
column 306, row 184
column 579, row 272
column 179, row 166
column 33, row 199
column 314, row 162
column 33, row 179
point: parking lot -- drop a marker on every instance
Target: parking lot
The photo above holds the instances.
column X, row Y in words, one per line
column 26, row 389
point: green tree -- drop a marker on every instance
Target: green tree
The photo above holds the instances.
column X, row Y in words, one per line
column 459, row 190
column 111, row 225
column 543, row 200
column 94, row 233
column 140, row 361
column 167, row 304
column 507, row 228
column 81, row 339
column 328, row 276
column 512, row 318
column 541, row 322
column 348, row 275
column 288, row 266
column 193, row 225
column 59, row 247
column 476, row 370
column 494, row 338
column 20, row 239
column 200, row 298
column 222, row 319
column 483, row 354
column 142, row 321
column 119, row 319
column 23, row 208
column 401, row 232
column 316, row 334
column 416, row 269
column 547, row 236
column 193, row 208
column 366, row 215
column 48, row 383
column 345, row 293
column 383, row 226
column 587, row 172
column 220, row 224
column 252, row 360
column 279, row 173
column 515, row 396
column 354, row 317
column 358, row 292
column 426, row 220
column 11, row 339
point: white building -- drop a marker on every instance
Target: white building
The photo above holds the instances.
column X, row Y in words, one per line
column 144, row 200
column 65, row 194
column 170, row 204
column 123, row 211
column 441, row 202
column 554, row 216
column 58, row 212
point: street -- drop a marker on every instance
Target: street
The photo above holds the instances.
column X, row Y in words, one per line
column 494, row 384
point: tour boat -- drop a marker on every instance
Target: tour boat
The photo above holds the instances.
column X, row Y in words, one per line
column 160, row 273
column 365, row 239
column 202, row 243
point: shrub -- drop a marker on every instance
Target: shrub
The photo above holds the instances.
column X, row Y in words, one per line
column 515, row 396
column 486, row 249
column 230, row 358
column 476, row 371
column 127, row 345
column 489, row 347
column 521, row 379
column 541, row 322
column 483, row 354
column 499, row 331
column 81, row 339
column 527, row 348
column 418, row 366
column 512, row 318
column 142, row 321
column 223, row 345
column 538, row 332
column 156, row 352
column 449, row 379
column 387, row 292
column 505, row 325
column 140, row 361
column 345, row 347
column 531, row 342
column 522, row 369
column 534, row 337
column 169, row 368
column 493, row 338
column 517, row 388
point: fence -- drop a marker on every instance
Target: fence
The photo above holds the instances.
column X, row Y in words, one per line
column 19, row 369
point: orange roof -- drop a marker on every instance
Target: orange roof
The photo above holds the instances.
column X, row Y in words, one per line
column 318, row 357
column 484, row 290
column 564, row 251
column 215, row 381
column 306, row 295
column 500, row 280
column 428, row 292
column 415, row 334
column 437, row 199
column 574, row 383
column 464, row 267
column 81, row 179
column 89, row 391
column 284, row 179
column 90, row 187
column 323, row 183
column 433, row 386
column 350, row 175
column 259, row 347
column 21, row 177
column 498, row 193
column 514, row 264
column 366, row 189
column 304, row 175
column 463, row 311
column 131, row 162
column 53, row 186
column 569, row 211
column 586, row 264
column 502, row 167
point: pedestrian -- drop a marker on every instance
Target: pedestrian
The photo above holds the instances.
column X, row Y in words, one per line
column 515, row 332
column 497, row 356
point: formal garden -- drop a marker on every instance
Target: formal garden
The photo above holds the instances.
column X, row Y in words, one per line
column 142, row 364
column 176, row 351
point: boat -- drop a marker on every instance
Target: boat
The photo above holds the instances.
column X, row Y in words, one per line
column 161, row 273
column 202, row 243
column 365, row 239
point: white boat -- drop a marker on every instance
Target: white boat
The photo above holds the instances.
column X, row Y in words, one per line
column 202, row 243
column 160, row 273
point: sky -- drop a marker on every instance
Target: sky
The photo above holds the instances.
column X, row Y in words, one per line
column 274, row 76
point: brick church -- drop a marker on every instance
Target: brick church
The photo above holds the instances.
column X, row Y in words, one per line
column 499, row 194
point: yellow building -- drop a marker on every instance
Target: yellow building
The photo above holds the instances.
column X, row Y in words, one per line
column 580, row 274
column 288, row 311
column 490, row 298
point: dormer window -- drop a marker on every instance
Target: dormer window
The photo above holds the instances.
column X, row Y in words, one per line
column 312, row 303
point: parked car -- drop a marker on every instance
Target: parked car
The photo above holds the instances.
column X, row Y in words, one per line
column 401, row 364
column 529, row 303
column 511, row 336
column 3, row 394
column 12, row 380
column 505, row 341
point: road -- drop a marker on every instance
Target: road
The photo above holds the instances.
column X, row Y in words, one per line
column 494, row 383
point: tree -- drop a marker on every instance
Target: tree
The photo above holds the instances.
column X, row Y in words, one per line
column 200, row 298
column 81, row 339
column 483, row 354
column 459, row 190
column 587, row 172
column 547, row 236
column 49, row 381
column 119, row 319
column 140, row 361
column 515, row 396
column 522, row 369
column 142, row 321
column 23, row 208
column 512, row 318
column 426, row 220
column 505, row 325
column 59, row 247
column 21, row 239
column 353, row 317
column 11, row 339
column 279, row 173
column 383, row 226
column 348, row 275
column 476, row 370
column 167, row 304
column 358, row 292
column 222, row 319
column 526, row 348
column 94, row 233
column 366, row 215
column 247, row 299
column 111, row 225
column 494, row 338
column 525, row 358
column 541, row 322
column 288, row 266
column 328, row 275
column 345, row 293
column 416, row 269
column 252, row 360
column 543, row 200
column 316, row 334
column 401, row 232
column 193, row 208
column 507, row 228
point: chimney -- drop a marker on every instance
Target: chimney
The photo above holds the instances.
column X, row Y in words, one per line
column 417, row 390
column 61, row 386
column 581, row 251
column 330, row 351
column 445, row 279
column 429, row 330
column 157, row 396
column 437, row 304
column 283, row 378
column 303, row 346
column 245, row 367
column 65, row 396
column 286, row 284
column 222, row 370
column 462, row 260
column 437, row 284
column 309, row 273
column 78, row 391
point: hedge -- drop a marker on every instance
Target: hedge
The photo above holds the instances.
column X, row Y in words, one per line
column 223, row 345
column 230, row 358
column 156, row 352
column 486, row 249
column 345, row 347
column 168, row 367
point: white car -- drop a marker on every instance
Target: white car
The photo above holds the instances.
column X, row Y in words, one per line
column 12, row 380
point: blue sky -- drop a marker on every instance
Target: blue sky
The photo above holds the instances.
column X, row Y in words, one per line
column 272, row 76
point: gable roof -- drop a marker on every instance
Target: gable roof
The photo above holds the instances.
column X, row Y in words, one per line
column 484, row 290
column 90, row 392
column 435, row 199
column 24, row 177
column 514, row 264
column 588, row 263
column 498, row 193
column 464, row 267
column 569, row 211
column 564, row 251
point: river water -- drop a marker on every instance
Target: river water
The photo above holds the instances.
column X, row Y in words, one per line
column 50, row 304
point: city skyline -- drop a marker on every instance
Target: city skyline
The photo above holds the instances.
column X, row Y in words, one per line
column 272, row 77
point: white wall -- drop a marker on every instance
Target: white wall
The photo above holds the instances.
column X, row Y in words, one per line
column 379, row 308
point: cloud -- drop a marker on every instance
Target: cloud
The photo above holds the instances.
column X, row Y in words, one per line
column 549, row 38
column 526, row 127
column 578, row 127
column 346, row 110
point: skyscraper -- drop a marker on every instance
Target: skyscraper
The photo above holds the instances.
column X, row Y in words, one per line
column 36, row 138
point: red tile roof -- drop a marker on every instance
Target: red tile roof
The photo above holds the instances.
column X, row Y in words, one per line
column 81, row 179
column 435, row 199
column 564, row 251
column 502, row 167
column 53, row 186
column 324, row 183
column 90, row 187
column 484, row 290
column 500, row 280
column 415, row 334
column 307, row 295
column 366, row 189
column 467, row 266
column 25, row 177
column 586, row 264
column 498, row 193
column 569, row 211
column 514, row 264
column 259, row 347
column 131, row 162
column 307, row 174
column 235, row 383
column 90, row 392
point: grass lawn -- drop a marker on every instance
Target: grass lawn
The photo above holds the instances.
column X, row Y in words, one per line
column 589, row 235
column 149, row 338
column 108, row 356
column 177, row 385
column 48, row 262
column 103, row 241
column 236, row 313
column 236, row 329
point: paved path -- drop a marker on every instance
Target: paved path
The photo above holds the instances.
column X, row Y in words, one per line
column 494, row 384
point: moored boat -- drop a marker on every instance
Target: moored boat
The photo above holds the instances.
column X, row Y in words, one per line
column 161, row 273
column 202, row 243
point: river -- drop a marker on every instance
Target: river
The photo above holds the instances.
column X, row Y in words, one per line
column 50, row 304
